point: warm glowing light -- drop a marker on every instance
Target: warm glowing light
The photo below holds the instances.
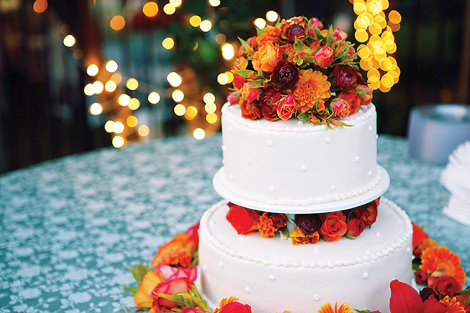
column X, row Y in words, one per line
column 108, row 126
column 134, row 104
column 222, row 79
column 117, row 23
column 118, row 127
column 92, row 70
column 69, row 41
column 209, row 98
column 375, row 28
column 132, row 121
column 230, row 76
column 98, row 87
column 39, row 6
column 132, row 84
column 220, row 38
column 124, row 100
column 211, row 118
column 179, row 109
column 88, row 90
column 117, row 78
column 118, row 142
column 177, row 95
column 110, row 86
column 154, row 97
column 361, row 35
column 96, row 109
column 169, row 9
column 195, row 20
column 150, row 9
column 205, row 25
column 191, row 113
column 272, row 16
column 168, row 43
column 228, row 52
column 260, row 23
column 210, row 107
column 394, row 17
column 176, row 3
column 199, row 133
column 174, row 79
column 359, row 7
column 143, row 130
column 214, row 3
column 111, row 66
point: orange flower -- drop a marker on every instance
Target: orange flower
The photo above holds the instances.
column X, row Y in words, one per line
column 142, row 297
column 270, row 35
column 440, row 259
column 267, row 57
column 312, row 87
column 452, row 305
column 266, row 226
column 298, row 236
column 327, row 308
column 179, row 250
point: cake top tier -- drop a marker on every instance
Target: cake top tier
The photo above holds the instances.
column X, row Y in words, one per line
column 298, row 69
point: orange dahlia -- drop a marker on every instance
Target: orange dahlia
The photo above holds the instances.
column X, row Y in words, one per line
column 266, row 226
column 440, row 259
column 327, row 308
column 452, row 305
column 312, row 87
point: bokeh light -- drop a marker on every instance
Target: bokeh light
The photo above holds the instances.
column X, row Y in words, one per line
column 124, row 100
column 199, row 133
column 118, row 142
column 154, row 97
column 92, row 70
column 272, row 16
column 205, row 25
column 174, row 79
column 179, row 109
column 143, row 130
column 111, row 66
column 260, row 23
column 132, row 121
column 117, row 23
column 69, row 41
column 132, row 84
column 96, row 109
column 168, row 43
column 150, row 9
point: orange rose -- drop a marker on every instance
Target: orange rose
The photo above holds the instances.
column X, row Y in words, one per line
column 298, row 236
column 242, row 219
column 365, row 93
column 325, row 56
column 270, row 34
column 367, row 212
column 267, row 57
column 334, row 226
column 353, row 99
column 142, row 297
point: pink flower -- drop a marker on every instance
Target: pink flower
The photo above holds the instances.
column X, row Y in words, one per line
column 232, row 97
column 340, row 108
column 325, row 56
column 235, row 307
column 190, row 310
column 365, row 94
column 287, row 106
column 316, row 23
column 250, row 94
column 339, row 34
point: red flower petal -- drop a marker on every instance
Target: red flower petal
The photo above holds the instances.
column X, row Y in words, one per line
column 404, row 299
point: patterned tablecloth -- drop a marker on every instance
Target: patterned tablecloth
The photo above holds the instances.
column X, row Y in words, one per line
column 69, row 227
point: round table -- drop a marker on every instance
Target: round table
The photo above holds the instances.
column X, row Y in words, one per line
column 71, row 226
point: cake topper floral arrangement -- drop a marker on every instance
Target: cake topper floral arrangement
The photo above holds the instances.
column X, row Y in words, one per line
column 298, row 69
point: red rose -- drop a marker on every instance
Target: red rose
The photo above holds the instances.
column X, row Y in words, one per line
column 250, row 111
column 325, row 56
column 287, row 106
column 340, row 107
column 268, row 102
column 279, row 220
column 242, row 219
column 445, row 284
column 353, row 99
column 235, row 307
column 233, row 98
column 421, row 277
column 334, row 226
column 367, row 212
column 238, row 81
column 365, row 94
column 355, row 227
column 346, row 77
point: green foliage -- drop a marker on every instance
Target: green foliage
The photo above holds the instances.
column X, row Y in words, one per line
column 138, row 273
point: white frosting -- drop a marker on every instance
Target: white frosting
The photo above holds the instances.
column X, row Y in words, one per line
column 274, row 275
column 322, row 169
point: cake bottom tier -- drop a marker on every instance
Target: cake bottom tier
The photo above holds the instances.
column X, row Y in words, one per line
column 273, row 275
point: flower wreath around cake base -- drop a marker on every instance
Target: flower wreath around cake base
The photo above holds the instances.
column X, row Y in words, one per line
column 298, row 69
column 168, row 284
column 304, row 228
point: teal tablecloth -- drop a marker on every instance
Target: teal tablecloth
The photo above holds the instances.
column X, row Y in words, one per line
column 70, row 227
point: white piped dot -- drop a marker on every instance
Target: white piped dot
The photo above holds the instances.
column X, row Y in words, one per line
column 248, row 162
column 229, row 129
column 269, row 143
column 316, row 249
column 241, row 237
column 357, row 159
column 204, row 268
column 272, row 189
column 224, row 147
column 408, row 250
column 377, row 234
column 271, row 277
column 230, row 176
column 221, row 264
column 316, row 297
column 303, row 168
column 365, row 275
column 327, row 139
column 333, row 187
column 247, row 289
column 370, row 129
column 369, row 173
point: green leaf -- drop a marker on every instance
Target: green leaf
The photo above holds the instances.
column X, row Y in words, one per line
column 132, row 290
column 244, row 44
column 303, row 116
column 139, row 271
column 298, row 44
column 195, row 257
column 298, row 60
column 243, row 73
column 363, row 311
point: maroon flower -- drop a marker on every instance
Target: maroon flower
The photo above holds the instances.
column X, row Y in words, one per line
column 426, row 292
column 346, row 77
column 279, row 220
column 308, row 223
column 268, row 102
column 285, row 76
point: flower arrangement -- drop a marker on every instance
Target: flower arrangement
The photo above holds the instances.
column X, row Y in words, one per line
column 298, row 69
column 304, row 228
column 169, row 287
